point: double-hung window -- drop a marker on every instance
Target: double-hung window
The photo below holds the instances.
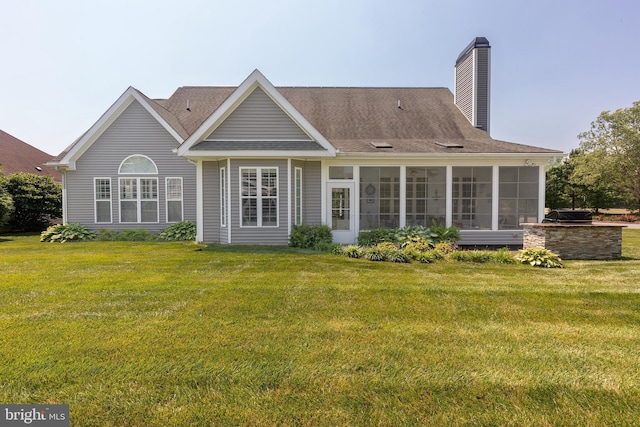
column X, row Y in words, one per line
column 259, row 197
column 102, row 200
column 174, row 199
column 138, row 195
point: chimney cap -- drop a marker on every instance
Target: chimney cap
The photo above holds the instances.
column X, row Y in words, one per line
column 475, row 43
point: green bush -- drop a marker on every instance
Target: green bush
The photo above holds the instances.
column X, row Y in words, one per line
column 417, row 244
column 411, row 233
column 66, row 232
column 373, row 237
column 429, row 256
column 183, row 230
column 135, row 235
column 441, row 233
column 539, row 257
column 353, row 251
column 316, row 237
column 375, row 253
column 6, row 202
column 472, row 256
column 36, row 199
column 503, row 256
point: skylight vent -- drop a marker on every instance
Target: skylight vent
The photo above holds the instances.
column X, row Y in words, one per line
column 449, row 144
column 381, row 144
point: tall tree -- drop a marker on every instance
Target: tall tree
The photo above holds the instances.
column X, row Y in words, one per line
column 614, row 145
column 6, row 202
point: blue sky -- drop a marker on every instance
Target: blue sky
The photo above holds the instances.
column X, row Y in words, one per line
column 555, row 64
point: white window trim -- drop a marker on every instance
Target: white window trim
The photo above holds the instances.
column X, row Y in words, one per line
column 138, row 173
column 95, row 201
column 223, row 196
column 259, row 197
column 181, row 199
column 297, row 204
column 138, row 200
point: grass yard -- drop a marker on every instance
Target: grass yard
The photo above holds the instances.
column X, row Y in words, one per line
column 160, row 334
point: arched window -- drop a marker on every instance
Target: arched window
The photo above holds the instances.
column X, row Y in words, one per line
column 138, row 196
column 138, row 164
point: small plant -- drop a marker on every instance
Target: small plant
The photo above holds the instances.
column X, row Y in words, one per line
column 306, row 236
column 628, row 218
column 417, row 244
column 441, row 233
column 183, row 230
column 407, row 234
column 503, row 256
column 352, row 251
column 66, row 232
column 446, row 247
column 373, row 237
column 539, row 257
column 472, row 256
column 429, row 256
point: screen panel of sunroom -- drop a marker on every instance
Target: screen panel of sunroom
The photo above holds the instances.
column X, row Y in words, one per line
column 472, row 197
column 426, row 195
column 379, row 197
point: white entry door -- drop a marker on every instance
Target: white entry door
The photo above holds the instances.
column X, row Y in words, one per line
column 341, row 197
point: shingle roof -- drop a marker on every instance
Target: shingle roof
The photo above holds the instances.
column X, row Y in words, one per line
column 18, row 156
column 411, row 120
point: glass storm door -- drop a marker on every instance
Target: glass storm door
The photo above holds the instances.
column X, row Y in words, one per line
column 341, row 215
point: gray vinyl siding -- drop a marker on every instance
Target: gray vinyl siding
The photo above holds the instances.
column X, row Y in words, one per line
column 464, row 87
column 212, row 230
column 311, row 191
column 259, row 235
column 490, row 238
column 482, row 90
column 135, row 131
column 258, row 118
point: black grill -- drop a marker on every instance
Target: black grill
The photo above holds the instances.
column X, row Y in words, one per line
column 569, row 216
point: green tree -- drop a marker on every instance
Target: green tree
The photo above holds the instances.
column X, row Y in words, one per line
column 6, row 202
column 614, row 145
column 36, row 199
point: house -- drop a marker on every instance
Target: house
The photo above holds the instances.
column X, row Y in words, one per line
column 247, row 163
column 18, row 156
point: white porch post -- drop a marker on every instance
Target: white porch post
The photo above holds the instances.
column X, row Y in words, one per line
column 289, row 217
column 542, row 178
column 403, row 196
column 449, row 198
column 495, row 198
column 199, row 204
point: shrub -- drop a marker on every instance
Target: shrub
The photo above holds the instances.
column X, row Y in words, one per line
column 6, row 202
column 316, row 237
column 36, row 200
column 373, row 237
column 183, row 230
column 417, row 244
column 429, row 256
column 503, row 256
column 411, row 233
column 472, row 256
column 352, row 251
column 440, row 233
column 539, row 257
column 446, row 247
column 375, row 254
column 66, row 232
column 337, row 249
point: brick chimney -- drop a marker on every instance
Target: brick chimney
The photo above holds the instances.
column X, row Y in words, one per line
column 472, row 82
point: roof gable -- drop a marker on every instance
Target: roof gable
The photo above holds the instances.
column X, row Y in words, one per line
column 249, row 103
column 68, row 158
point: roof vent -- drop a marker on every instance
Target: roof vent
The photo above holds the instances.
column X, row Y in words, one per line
column 381, row 144
column 449, row 144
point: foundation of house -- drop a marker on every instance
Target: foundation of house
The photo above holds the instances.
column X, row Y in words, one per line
column 575, row 241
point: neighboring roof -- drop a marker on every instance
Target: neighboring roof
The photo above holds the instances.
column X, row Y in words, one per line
column 351, row 119
column 18, row 156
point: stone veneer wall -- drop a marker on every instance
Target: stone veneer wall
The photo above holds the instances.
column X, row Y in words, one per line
column 575, row 241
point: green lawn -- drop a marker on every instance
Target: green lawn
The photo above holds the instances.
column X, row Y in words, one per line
column 160, row 334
